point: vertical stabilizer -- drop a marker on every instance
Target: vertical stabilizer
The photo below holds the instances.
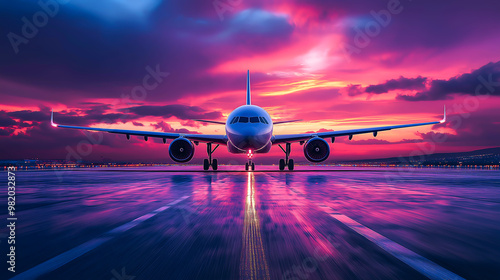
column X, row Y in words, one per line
column 248, row 88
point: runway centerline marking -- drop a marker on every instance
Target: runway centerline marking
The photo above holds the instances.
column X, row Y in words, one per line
column 424, row 266
column 70, row 255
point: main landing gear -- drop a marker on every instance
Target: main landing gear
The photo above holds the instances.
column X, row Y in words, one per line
column 250, row 165
column 286, row 162
column 210, row 162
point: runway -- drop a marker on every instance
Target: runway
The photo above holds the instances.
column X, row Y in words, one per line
column 316, row 223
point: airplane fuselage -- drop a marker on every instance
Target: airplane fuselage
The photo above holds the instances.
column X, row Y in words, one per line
column 249, row 128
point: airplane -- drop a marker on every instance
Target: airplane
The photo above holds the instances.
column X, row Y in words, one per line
column 249, row 129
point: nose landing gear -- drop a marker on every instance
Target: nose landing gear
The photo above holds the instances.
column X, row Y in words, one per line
column 286, row 162
column 250, row 165
column 210, row 162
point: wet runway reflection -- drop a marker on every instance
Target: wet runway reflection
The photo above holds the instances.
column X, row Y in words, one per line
column 165, row 223
column 253, row 258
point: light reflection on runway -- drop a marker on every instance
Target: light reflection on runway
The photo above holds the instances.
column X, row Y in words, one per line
column 253, row 258
column 258, row 225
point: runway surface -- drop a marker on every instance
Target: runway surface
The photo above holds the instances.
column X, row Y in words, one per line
column 317, row 223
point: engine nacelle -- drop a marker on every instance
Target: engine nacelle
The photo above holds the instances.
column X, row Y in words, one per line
column 316, row 149
column 181, row 150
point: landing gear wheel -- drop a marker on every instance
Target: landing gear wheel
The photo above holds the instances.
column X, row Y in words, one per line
column 253, row 166
column 282, row 164
column 246, row 166
column 286, row 162
column 210, row 162
column 206, row 164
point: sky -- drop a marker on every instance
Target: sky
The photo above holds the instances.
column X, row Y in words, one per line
column 157, row 65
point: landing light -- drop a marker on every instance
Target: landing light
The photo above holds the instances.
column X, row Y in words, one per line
column 249, row 154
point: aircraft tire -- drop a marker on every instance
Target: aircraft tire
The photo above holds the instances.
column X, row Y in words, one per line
column 282, row 164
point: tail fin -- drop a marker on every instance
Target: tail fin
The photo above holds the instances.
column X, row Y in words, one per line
column 248, row 88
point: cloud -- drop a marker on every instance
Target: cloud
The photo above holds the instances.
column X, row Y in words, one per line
column 354, row 90
column 381, row 142
column 485, row 80
column 46, row 142
column 261, row 22
column 115, row 60
column 182, row 112
column 320, row 130
column 28, row 115
column 400, row 83
column 192, row 123
column 165, row 127
column 447, row 25
column 6, row 131
column 479, row 129
column 6, row 120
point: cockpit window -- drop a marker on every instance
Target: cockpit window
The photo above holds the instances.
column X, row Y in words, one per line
column 249, row 119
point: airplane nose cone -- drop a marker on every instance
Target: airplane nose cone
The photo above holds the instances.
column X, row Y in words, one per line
column 251, row 138
column 249, row 132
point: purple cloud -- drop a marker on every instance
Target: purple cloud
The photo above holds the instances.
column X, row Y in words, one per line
column 182, row 112
column 400, row 83
column 165, row 127
column 478, row 129
column 485, row 80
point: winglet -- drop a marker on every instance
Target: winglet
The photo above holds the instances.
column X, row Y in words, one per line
column 444, row 117
column 248, row 88
column 52, row 119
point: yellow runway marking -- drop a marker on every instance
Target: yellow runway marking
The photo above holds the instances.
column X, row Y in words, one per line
column 253, row 263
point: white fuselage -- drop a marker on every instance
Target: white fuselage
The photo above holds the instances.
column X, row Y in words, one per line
column 249, row 128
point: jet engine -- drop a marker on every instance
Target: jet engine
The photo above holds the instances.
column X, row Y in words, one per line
column 181, row 150
column 316, row 149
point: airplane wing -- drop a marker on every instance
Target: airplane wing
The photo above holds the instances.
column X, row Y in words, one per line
column 281, row 122
column 218, row 139
column 289, row 138
column 214, row 122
